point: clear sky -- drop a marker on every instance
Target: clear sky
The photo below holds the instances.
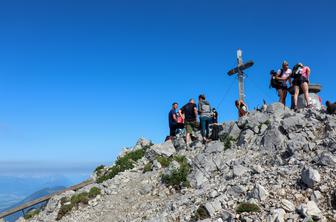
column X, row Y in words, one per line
column 79, row 80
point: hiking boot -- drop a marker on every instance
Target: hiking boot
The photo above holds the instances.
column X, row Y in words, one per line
column 309, row 106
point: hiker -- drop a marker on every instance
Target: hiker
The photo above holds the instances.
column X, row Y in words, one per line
column 214, row 116
column 190, row 119
column 331, row 107
column 283, row 75
column 300, row 77
column 173, row 120
column 204, row 110
column 242, row 108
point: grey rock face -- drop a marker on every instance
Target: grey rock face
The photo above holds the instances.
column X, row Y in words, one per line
column 310, row 177
column 277, row 215
column 273, row 138
column 239, row 170
column 166, row 149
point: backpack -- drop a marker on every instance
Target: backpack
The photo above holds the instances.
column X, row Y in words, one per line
column 275, row 83
column 215, row 132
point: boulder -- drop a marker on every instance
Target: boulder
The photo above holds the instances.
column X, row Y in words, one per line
column 239, row 170
column 273, row 138
column 310, row 177
column 277, row 215
column 327, row 159
column 166, row 149
column 287, row 205
column 259, row 193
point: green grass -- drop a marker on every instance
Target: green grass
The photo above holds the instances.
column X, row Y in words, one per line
column 75, row 200
column 80, row 198
column 94, row 191
column 64, row 210
column 247, row 207
column 122, row 164
column 148, row 167
column 200, row 214
column 178, row 178
column 31, row 214
column 164, row 161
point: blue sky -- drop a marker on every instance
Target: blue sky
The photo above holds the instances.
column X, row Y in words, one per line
column 79, row 80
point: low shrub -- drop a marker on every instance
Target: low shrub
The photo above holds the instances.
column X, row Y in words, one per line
column 247, row 207
column 64, row 210
column 31, row 214
column 178, row 178
column 94, row 191
column 200, row 214
column 80, row 198
column 123, row 163
column 164, row 161
column 148, row 167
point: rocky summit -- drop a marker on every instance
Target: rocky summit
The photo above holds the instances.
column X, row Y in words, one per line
column 271, row 166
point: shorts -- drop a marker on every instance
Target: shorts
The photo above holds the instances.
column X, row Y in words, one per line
column 300, row 80
column 190, row 126
column 282, row 85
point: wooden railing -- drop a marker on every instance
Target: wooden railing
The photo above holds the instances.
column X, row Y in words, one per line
column 43, row 199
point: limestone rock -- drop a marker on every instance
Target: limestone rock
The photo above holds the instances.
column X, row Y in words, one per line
column 310, row 177
column 166, row 149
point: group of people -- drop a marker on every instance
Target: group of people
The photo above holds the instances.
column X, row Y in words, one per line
column 285, row 78
column 186, row 118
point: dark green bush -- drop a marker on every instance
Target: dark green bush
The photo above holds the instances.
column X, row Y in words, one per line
column 31, row 214
column 200, row 214
column 178, row 178
column 65, row 209
column 247, row 207
column 164, row 161
column 123, row 163
column 148, row 167
column 80, row 198
column 94, row 191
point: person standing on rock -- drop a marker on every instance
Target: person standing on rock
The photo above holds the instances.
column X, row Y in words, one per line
column 204, row 110
column 189, row 111
column 300, row 77
column 173, row 121
column 242, row 108
column 283, row 75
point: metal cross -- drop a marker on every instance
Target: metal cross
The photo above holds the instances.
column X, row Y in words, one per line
column 239, row 71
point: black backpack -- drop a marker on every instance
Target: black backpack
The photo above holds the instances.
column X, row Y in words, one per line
column 274, row 83
column 215, row 132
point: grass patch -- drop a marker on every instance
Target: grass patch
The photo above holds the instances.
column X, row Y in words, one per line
column 148, row 167
column 31, row 214
column 227, row 142
column 200, row 214
column 94, row 191
column 247, row 207
column 164, row 161
column 64, row 210
column 122, row 164
column 82, row 198
column 178, row 178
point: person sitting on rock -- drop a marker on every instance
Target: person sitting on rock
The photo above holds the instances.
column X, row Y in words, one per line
column 189, row 111
column 173, row 120
column 204, row 110
column 300, row 77
column 283, row 75
column 331, row 107
column 214, row 116
column 242, row 108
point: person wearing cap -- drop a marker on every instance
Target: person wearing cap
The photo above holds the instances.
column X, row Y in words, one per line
column 300, row 77
column 283, row 75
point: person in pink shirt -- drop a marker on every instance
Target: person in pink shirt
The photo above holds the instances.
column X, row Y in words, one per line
column 300, row 77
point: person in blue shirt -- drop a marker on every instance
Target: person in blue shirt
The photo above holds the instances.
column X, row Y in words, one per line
column 173, row 123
